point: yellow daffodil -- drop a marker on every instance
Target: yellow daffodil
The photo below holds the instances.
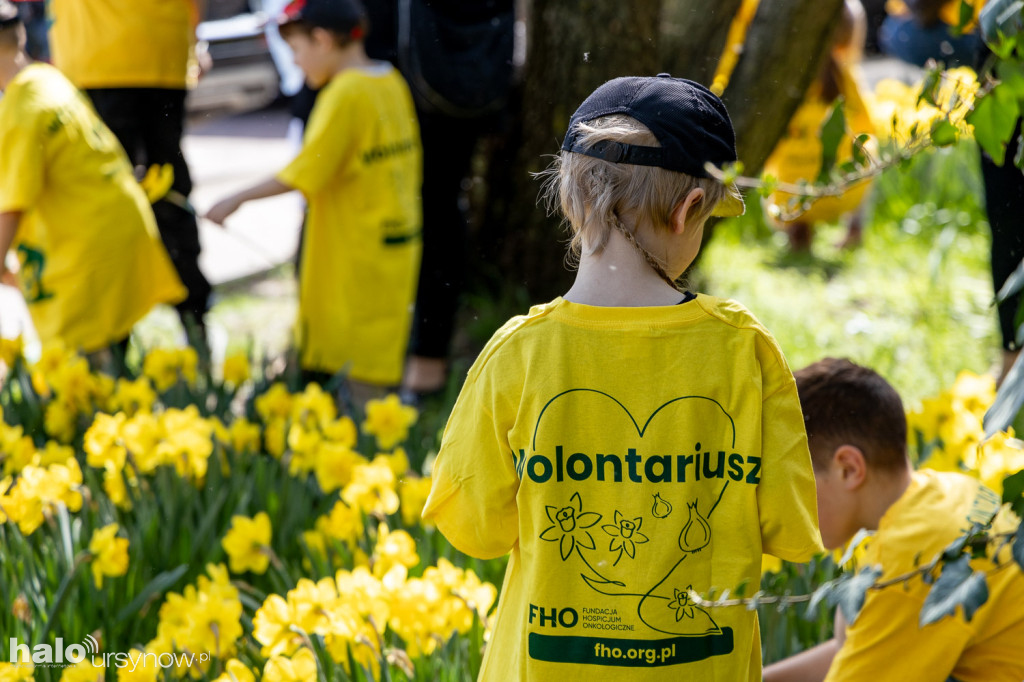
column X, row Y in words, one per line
column 412, row 492
column 140, row 668
column 236, row 369
column 236, row 671
column 17, row 672
column 372, row 489
column 299, row 668
column 334, row 465
column 393, row 547
column 247, row 543
column 135, row 396
column 388, row 420
column 342, row 523
column 109, row 554
column 10, row 350
column 271, row 627
column 85, row 671
column 275, row 403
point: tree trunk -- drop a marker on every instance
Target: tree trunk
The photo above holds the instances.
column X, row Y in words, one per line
column 575, row 45
column 686, row 56
column 572, row 47
column 783, row 51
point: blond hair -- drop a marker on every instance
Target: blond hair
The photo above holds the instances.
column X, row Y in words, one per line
column 595, row 196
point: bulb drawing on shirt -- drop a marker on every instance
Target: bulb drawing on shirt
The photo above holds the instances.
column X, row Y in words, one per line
column 696, row 534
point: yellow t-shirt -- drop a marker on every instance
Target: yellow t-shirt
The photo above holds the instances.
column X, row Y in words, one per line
column 92, row 263
column 886, row 641
column 625, row 456
column 360, row 169
column 797, row 156
column 122, row 43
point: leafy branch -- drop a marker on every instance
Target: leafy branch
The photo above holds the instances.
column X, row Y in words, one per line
column 958, row 584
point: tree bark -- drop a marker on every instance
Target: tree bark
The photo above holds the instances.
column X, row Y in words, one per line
column 693, row 36
column 782, row 54
column 575, row 45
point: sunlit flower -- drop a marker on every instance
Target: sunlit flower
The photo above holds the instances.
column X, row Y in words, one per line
column 413, row 492
column 17, row 672
column 372, row 489
column 389, row 420
column 343, row 523
column 236, row 369
column 236, row 671
column 109, row 554
column 393, row 547
column 247, row 543
column 299, row 668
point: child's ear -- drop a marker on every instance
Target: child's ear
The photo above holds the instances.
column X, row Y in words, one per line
column 685, row 209
column 852, row 466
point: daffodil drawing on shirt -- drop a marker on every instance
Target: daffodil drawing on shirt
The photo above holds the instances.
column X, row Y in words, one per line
column 610, row 545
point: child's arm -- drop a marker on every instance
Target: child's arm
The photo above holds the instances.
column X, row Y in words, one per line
column 220, row 211
column 9, row 221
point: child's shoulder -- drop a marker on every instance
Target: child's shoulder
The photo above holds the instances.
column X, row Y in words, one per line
column 732, row 313
column 515, row 330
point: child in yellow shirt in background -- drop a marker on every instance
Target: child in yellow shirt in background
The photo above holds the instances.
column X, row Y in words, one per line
column 92, row 263
column 797, row 156
column 360, row 170
column 629, row 442
column 858, row 439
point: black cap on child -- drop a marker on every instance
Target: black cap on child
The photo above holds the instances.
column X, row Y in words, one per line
column 690, row 122
column 343, row 16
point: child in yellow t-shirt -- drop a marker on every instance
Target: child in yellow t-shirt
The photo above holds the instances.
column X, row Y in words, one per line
column 797, row 156
column 91, row 259
column 858, row 439
column 629, row 443
column 360, row 171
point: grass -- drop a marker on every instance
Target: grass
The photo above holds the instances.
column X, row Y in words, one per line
column 913, row 301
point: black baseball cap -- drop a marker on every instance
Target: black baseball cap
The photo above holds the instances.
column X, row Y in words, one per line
column 343, row 16
column 690, row 122
column 8, row 14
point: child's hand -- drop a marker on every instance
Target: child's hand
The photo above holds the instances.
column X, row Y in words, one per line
column 220, row 211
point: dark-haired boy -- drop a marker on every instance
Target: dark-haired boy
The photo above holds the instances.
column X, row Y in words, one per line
column 856, row 431
column 360, row 171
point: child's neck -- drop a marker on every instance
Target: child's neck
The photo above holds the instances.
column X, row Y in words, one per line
column 350, row 57
column 10, row 65
column 618, row 276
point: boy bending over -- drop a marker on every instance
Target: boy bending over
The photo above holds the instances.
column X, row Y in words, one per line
column 858, row 434
column 629, row 442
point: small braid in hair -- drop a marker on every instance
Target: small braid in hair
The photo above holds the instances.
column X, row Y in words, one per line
column 648, row 256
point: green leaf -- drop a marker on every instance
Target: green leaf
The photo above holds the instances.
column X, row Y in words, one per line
column 860, row 157
column 850, row 591
column 944, row 133
column 832, row 131
column 1013, row 492
column 930, row 86
column 958, row 585
column 994, row 117
column 964, row 18
column 824, row 592
column 156, row 586
column 1009, row 398
column 1011, row 74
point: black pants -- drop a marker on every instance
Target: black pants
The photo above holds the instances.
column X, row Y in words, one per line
column 448, row 145
column 1004, row 203
column 149, row 123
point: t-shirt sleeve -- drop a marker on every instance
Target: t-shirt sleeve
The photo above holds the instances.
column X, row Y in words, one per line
column 786, row 495
column 886, row 642
column 330, row 142
column 21, row 159
column 473, row 493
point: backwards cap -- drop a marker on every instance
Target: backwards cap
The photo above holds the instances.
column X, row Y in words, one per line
column 690, row 122
column 343, row 16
